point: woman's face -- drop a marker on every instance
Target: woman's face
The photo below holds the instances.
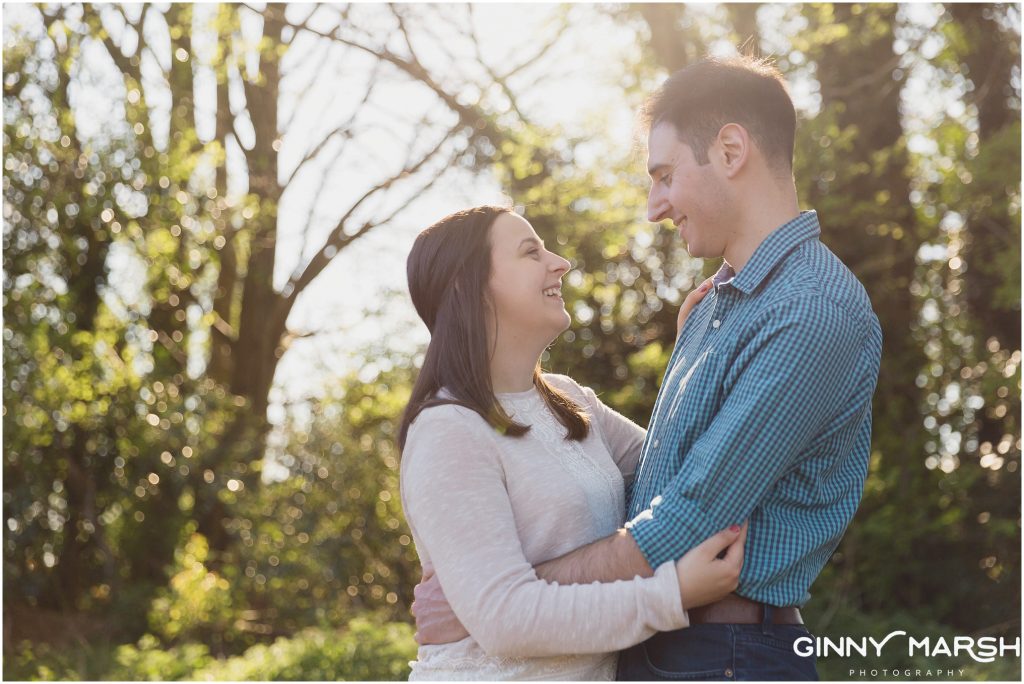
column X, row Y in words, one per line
column 526, row 282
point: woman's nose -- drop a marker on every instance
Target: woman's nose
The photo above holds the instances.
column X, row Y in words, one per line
column 559, row 264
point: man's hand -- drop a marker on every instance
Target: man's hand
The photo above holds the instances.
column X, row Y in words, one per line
column 692, row 300
column 435, row 621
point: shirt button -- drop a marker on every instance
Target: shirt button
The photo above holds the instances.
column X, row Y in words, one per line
column 716, row 323
column 728, row 672
column 656, row 443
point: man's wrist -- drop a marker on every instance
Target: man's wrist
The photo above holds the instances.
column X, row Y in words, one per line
column 615, row 557
column 628, row 552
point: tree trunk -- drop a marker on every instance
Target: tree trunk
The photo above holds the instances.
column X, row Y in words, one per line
column 673, row 47
column 744, row 24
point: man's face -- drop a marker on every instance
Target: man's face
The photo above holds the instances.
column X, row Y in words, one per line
column 694, row 197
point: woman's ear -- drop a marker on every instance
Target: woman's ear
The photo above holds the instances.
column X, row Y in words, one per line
column 733, row 148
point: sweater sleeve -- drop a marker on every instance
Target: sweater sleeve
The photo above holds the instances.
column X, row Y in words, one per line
column 455, row 499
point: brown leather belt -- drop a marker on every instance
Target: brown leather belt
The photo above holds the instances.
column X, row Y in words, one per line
column 736, row 610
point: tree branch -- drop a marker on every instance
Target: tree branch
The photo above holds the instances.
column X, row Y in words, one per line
column 338, row 239
column 124, row 64
column 487, row 67
column 537, row 56
column 325, row 177
column 468, row 114
column 340, row 130
column 301, row 95
column 405, row 33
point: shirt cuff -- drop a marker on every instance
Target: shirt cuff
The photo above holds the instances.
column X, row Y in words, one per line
column 658, row 538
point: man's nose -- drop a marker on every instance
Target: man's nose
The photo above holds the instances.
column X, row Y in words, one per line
column 657, row 206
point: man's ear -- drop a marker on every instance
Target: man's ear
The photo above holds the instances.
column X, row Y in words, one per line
column 734, row 147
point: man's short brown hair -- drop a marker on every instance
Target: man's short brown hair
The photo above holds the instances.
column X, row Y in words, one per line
column 701, row 98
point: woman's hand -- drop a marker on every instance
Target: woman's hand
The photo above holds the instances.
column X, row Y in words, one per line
column 692, row 300
column 703, row 576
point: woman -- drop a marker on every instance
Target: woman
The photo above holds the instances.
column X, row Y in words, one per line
column 504, row 467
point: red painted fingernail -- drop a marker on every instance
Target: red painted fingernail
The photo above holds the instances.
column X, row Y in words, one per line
column 734, row 528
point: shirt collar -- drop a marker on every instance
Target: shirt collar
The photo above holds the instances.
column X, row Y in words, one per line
column 770, row 252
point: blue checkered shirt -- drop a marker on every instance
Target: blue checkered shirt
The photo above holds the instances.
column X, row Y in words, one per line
column 764, row 414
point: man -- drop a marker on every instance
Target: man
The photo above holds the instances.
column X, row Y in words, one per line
column 764, row 413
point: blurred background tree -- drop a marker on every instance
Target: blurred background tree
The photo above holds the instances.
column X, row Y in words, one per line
column 163, row 511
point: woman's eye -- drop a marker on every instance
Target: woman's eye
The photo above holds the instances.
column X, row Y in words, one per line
column 666, row 179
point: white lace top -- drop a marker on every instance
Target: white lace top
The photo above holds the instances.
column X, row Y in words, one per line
column 485, row 508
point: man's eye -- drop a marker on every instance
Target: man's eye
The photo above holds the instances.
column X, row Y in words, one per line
column 666, row 179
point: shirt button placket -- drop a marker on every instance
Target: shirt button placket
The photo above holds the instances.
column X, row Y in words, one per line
column 719, row 314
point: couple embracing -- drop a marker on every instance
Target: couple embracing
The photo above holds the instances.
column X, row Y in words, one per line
column 559, row 540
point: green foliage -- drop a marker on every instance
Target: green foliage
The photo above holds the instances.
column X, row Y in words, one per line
column 107, row 433
column 26, row 661
column 330, row 541
column 150, row 661
column 197, row 601
column 367, row 648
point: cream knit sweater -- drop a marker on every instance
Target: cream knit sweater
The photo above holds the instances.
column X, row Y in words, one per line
column 485, row 508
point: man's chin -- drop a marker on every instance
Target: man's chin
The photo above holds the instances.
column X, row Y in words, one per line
column 702, row 252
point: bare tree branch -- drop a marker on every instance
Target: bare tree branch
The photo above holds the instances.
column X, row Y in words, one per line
column 402, row 30
column 309, row 16
column 223, row 326
column 502, row 83
column 429, row 184
column 129, row 68
column 441, row 43
column 288, row 300
column 537, row 56
column 338, row 239
column 468, row 114
column 325, row 177
column 302, row 94
column 311, row 155
column 124, row 64
column 250, row 97
column 173, row 348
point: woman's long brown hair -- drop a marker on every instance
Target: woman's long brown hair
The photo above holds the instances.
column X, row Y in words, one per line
column 449, row 269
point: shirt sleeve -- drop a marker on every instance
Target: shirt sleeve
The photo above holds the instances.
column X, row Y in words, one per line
column 794, row 375
column 455, row 499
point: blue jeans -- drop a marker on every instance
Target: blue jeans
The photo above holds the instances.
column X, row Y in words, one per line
column 720, row 653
